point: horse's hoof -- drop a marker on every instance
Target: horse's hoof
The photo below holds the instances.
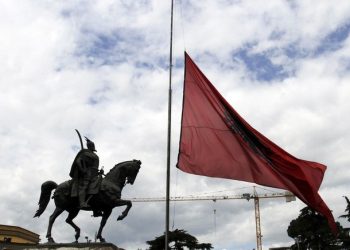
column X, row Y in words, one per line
column 101, row 239
column 122, row 216
column 50, row 240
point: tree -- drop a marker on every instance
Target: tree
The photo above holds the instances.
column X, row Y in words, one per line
column 345, row 234
column 204, row 246
column 347, row 210
column 178, row 239
column 311, row 231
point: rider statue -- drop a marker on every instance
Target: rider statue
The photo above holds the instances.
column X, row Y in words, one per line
column 85, row 174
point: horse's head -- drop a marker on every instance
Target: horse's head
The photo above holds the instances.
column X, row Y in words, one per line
column 124, row 172
column 132, row 171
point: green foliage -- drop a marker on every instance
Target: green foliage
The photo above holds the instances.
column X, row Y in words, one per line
column 178, row 240
column 347, row 210
column 345, row 234
column 311, row 231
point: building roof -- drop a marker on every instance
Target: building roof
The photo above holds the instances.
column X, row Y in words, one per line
column 19, row 232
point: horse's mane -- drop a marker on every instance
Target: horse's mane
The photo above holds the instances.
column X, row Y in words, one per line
column 121, row 164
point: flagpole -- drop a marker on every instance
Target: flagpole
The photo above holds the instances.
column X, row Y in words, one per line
column 167, row 203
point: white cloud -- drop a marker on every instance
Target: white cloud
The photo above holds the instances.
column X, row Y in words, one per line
column 57, row 74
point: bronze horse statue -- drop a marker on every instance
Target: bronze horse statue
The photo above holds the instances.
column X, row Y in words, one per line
column 102, row 203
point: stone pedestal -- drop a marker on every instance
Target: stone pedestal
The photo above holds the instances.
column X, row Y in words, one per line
column 61, row 246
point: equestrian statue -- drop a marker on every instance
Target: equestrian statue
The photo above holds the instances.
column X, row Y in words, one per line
column 89, row 190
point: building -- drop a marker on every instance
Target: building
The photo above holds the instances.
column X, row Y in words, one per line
column 14, row 234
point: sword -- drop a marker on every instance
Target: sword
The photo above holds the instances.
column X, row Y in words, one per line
column 81, row 142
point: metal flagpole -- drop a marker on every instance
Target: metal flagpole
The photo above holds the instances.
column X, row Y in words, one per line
column 169, row 133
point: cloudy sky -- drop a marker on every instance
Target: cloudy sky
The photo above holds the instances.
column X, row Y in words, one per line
column 102, row 67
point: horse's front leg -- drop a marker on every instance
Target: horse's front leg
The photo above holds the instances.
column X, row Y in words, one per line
column 72, row 214
column 105, row 216
column 128, row 205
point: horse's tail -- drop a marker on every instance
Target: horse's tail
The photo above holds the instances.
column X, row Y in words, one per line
column 46, row 189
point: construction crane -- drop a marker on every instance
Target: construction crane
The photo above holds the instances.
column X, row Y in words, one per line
column 247, row 196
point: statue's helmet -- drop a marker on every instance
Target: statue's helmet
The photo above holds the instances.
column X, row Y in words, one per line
column 90, row 144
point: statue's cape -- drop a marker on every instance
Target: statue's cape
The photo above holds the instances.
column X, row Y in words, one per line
column 74, row 168
column 91, row 160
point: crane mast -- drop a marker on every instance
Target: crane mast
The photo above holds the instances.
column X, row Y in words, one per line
column 257, row 221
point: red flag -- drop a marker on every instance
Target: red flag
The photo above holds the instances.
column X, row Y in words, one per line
column 217, row 142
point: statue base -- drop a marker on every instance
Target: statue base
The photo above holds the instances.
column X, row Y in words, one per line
column 62, row 246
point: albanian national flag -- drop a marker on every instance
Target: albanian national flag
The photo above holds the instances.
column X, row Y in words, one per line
column 217, row 142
